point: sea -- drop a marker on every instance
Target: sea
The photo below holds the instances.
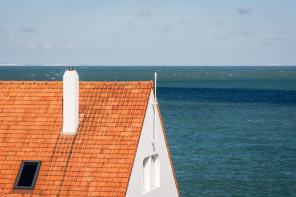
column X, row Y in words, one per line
column 231, row 130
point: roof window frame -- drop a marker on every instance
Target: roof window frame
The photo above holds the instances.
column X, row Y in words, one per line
column 20, row 172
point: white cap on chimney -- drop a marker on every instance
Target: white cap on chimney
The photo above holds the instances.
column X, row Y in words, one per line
column 70, row 102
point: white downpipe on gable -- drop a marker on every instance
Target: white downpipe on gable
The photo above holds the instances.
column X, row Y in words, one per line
column 155, row 110
column 70, row 102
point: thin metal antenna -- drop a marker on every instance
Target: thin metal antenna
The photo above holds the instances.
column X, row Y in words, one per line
column 155, row 76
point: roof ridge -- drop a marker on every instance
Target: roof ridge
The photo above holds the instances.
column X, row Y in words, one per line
column 85, row 82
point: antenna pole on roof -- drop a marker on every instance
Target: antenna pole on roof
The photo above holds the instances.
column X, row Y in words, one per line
column 155, row 109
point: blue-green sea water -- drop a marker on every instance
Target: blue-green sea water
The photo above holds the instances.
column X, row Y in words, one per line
column 231, row 130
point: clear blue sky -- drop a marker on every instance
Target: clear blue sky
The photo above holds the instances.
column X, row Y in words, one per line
column 150, row 32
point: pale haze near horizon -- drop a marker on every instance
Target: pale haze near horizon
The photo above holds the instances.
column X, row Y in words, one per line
column 175, row 32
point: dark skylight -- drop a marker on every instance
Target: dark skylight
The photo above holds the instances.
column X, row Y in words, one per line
column 27, row 175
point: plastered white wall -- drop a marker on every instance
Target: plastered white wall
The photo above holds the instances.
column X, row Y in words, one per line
column 167, row 182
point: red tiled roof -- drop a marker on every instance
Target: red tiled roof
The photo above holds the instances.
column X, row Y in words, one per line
column 95, row 162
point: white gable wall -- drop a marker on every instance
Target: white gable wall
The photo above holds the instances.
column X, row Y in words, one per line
column 167, row 185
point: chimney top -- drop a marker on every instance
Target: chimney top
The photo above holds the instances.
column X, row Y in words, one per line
column 70, row 102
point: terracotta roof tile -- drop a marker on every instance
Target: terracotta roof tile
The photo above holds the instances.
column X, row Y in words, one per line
column 99, row 158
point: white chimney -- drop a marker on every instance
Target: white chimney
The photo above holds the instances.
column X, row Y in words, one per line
column 70, row 102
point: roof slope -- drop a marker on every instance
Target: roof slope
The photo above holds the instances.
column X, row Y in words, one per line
column 95, row 162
